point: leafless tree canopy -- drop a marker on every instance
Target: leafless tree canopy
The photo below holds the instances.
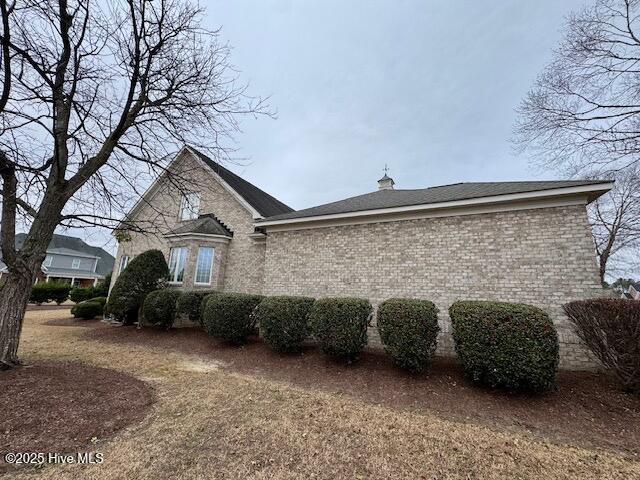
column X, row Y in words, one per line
column 615, row 219
column 582, row 117
column 95, row 96
column 584, row 110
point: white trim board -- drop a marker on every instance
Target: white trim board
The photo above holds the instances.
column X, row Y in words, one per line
column 416, row 215
column 209, row 237
column 515, row 201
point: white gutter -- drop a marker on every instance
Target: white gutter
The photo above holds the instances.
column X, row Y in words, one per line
column 507, row 198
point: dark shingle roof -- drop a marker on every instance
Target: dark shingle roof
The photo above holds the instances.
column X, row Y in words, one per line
column 105, row 263
column 401, row 198
column 205, row 224
column 264, row 203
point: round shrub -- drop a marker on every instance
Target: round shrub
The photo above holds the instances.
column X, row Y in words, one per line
column 508, row 345
column 339, row 325
column 78, row 294
column 409, row 331
column 144, row 274
column 159, row 307
column 610, row 328
column 101, row 300
column 189, row 304
column 229, row 316
column 86, row 310
column 283, row 321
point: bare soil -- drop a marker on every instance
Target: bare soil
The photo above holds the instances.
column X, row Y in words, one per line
column 64, row 407
column 585, row 409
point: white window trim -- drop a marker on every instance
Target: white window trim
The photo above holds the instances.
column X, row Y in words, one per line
column 48, row 260
column 186, row 261
column 213, row 259
column 124, row 259
column 185, row 214
column 75, row 263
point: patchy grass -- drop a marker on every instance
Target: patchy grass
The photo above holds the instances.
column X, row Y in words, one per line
column 210, row 421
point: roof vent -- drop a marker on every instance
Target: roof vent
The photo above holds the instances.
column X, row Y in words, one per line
column 386, row 182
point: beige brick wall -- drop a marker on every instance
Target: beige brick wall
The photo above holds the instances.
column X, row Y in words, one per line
column 543, row 257
column 242, row 270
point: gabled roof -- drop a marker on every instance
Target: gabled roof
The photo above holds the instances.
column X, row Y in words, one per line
column 385, row 199
column 265, row 204
column 105, row 262
column 206, row 224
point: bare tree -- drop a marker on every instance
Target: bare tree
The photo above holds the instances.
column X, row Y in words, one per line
column 583, row 116
column 615, row 219
column 584, row 110
column 94, row 98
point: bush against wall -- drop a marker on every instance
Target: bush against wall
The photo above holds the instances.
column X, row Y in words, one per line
column 283, row 321
column 339, row 325
column 229, row 316
column 159, row 307
column 101, row 300
column 189, row 304
column 611, row 330
column 87, row 310
column 144, row 274
column 49, row 292
column 409, row 331
column 509, row 345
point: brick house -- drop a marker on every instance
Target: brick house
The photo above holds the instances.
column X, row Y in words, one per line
column 512, row 241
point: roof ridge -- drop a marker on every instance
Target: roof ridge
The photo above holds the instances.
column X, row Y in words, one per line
column 265, row 205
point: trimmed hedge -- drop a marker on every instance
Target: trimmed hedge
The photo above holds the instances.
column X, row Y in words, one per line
column 79, row 294
column 339, row 325
column 409, row 331
column 611, row 330
column 87, row 310
column 49, row 292
column 283, row 322
column 159, row 307
column 508, row 345
column 144, row 274
column 101, row 300
column 229, row 316
column 190, row 304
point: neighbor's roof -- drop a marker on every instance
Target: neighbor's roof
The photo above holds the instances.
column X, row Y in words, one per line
column 265, row 204
column 382, row 199
column 70, row 252
column 105, row 262
column 68, row 272
column 206, row 224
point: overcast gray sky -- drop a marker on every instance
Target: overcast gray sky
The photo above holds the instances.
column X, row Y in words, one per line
column 427, row 86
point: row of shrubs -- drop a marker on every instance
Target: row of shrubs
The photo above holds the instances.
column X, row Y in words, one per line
column 81, row 294
column 49, row 292
column 505, row 345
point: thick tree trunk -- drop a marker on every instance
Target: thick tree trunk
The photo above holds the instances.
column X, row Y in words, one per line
column 14, row 296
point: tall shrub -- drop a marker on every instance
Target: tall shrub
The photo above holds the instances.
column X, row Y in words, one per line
column 409, row 331
column 145, row 273
column 509, row 345
column 340, row 326
column 229, row 316
column 611, row 330
column 159, row 307
column 283, row 321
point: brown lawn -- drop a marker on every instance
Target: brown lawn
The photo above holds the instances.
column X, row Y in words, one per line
column 222, row 412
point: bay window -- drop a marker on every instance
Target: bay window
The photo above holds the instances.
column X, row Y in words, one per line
column 177, row 262
column 204, row 265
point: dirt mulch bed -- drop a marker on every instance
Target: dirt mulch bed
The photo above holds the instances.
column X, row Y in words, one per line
column 61, row 407
column 49, row 306
column 585, row 409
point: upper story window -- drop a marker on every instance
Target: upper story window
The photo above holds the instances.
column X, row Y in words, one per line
column 204, row 266
column 177, row 262
column 124, row 261
column 75, row 264
column 47, row 261
column 190, row 206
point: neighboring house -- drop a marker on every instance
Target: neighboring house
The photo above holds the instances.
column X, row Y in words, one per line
column 511, row 241
column 634, row 291
column 70, row 260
